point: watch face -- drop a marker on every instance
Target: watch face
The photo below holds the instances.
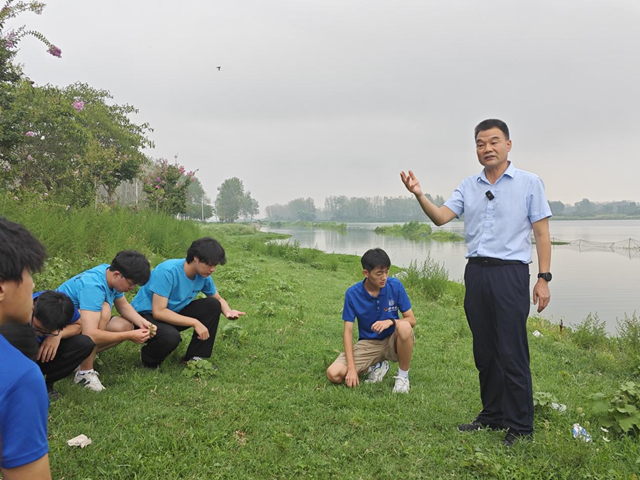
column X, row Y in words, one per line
column 545, row 276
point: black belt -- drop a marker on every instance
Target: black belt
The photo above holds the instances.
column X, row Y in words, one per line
column 493, row 262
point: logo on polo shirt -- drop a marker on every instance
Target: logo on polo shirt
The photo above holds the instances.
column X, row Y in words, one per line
column 392, row 306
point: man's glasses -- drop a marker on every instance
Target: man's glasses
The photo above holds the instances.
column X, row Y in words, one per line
column 41, row 332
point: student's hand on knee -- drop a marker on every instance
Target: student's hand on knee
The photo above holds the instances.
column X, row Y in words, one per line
column 201, row 331
column 381, row 325
column 352, row 380
column 48, row 349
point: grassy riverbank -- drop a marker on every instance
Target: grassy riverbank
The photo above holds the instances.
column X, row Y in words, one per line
column 269, row 412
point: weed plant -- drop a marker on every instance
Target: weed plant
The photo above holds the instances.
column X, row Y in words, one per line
column 269, row 411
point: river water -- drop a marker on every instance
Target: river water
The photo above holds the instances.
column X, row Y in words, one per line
column 597, row 273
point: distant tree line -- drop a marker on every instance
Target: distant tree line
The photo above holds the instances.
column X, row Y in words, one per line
column 587, row 208
column 351, row 209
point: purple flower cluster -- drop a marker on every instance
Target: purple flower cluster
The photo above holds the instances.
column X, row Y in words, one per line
column 11, row 39
column 30, row 133
column 55, row 51
column 78, row 105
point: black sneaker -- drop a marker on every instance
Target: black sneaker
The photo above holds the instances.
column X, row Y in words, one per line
column 476, row 425
column 512, row 437
column 53, row 394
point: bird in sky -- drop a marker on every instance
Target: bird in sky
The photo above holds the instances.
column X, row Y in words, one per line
column 219, row 67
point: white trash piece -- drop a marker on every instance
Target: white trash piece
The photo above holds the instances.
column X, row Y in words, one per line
column 79, row 441
column 559, row 406
column 537, row 334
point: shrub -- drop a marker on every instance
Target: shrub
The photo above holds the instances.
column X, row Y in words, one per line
column 591, row 333
column 430, row 278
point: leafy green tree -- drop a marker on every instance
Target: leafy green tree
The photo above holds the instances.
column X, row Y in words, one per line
column 166, row 187
column 10, row 74
column 250, row 207
column 232, row 201
column 557, row 208
column 75, row 142
column 585, row 207
column 198, row 203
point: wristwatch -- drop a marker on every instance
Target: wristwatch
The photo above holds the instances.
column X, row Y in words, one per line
column 545, row 276
column 394, row 321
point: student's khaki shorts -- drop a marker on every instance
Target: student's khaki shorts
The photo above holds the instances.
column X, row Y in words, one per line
column 370, row 352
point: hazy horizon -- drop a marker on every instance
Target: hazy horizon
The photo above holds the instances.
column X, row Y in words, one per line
column 316, row 99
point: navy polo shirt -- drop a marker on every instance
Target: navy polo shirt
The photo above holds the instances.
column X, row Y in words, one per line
column 390, row 303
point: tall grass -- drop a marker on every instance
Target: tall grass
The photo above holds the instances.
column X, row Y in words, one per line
column 430, row 278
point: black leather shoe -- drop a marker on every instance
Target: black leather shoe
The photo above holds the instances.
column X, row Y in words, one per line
column 512, row 437
column 476, row 425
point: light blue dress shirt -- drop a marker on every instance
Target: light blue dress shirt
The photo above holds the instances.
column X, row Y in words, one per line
column 500, row 228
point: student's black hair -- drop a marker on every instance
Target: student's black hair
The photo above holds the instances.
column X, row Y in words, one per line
column 19, row 249
column 207, row 250
column 22, row 337
column 374, row 258
column 132, row 265
column 54, row 310
column 489, row 124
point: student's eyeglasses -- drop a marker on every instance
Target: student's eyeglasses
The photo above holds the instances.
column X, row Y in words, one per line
column 41, row 332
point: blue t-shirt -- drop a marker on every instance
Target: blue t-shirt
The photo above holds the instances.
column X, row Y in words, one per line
column 23, row 409
column 89, row 290
column 169, row 280
column 75, row 317
column 390, row 302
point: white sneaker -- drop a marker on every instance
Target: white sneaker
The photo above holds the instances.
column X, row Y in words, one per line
column 377, row 372
column 402, row 385
column 90, row 380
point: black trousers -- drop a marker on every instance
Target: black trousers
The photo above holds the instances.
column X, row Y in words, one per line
column 167, row 338
column 71, row 352
column 497, row 306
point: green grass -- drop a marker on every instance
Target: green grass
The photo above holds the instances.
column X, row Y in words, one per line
column 269, row 412
column 415, row 230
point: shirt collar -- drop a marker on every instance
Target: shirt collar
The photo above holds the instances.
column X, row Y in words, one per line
column 510, row 172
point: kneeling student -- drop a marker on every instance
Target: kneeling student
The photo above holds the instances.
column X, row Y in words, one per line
column 383, row 335
column 58, row 328
column 168, row 301
column 94, row 292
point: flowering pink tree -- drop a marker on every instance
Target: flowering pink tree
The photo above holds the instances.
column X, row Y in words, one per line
column 166, row 187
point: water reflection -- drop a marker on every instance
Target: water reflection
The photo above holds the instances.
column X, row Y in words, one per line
column 596, row 273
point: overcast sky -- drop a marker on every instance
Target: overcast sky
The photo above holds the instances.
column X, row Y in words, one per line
column 335, row 97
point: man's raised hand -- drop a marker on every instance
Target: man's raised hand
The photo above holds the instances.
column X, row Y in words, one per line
column 411, row 182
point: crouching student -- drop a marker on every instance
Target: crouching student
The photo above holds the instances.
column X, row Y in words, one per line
column 168, row 300
column 94, row 292
column 383, row 335
column 24, row 450
column 58, row 328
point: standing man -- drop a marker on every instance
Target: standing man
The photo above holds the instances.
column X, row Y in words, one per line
column 24, row 451
column 501, row 206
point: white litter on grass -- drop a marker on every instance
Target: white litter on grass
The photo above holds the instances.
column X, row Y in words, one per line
column 79, row 441
column 537, row 334
column 561, row 407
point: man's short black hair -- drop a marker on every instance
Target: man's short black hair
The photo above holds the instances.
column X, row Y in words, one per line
column 207, row 250
column 489, row 124
column 19, row 249
column 374, row 258
column 54, row 310
column 132, row 265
